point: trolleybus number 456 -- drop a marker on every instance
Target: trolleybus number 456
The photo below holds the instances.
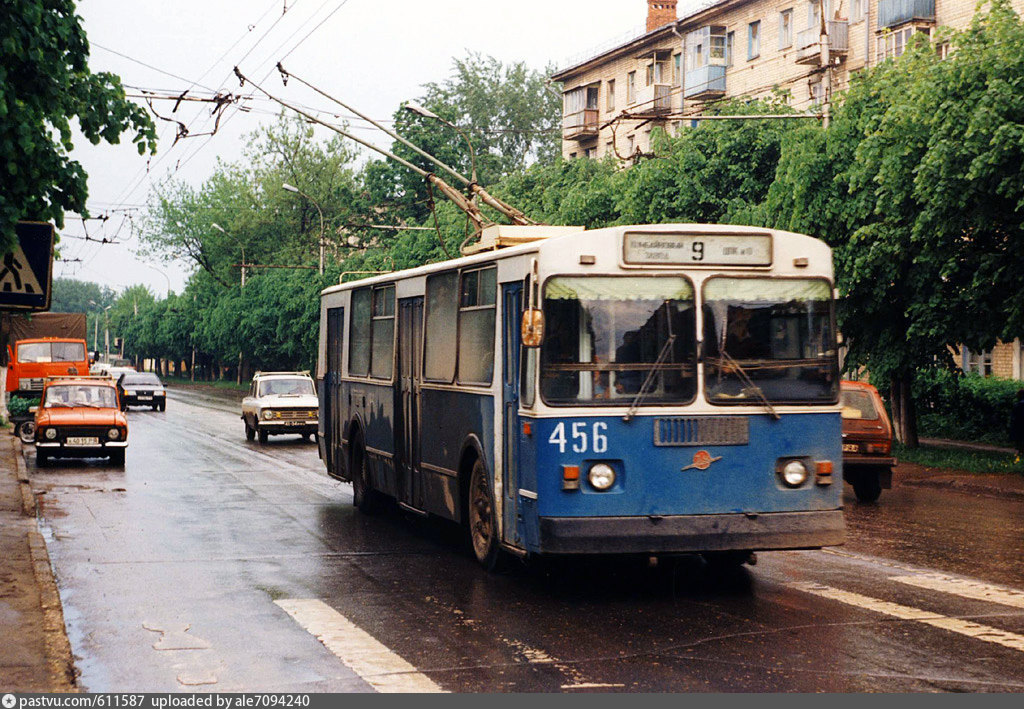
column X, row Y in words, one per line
column 580, row 441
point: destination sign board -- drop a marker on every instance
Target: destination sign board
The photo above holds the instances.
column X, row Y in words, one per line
column 681, row 249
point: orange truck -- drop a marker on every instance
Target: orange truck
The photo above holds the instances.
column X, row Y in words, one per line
column 32, row 360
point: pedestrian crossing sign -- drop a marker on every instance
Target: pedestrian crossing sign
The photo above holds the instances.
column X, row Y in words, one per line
column 25, row 272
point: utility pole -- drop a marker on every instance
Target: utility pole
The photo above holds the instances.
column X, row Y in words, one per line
column 826, row 60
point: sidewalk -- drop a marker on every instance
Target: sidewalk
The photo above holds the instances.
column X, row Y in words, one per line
column 34, row 652
column 1005, row 486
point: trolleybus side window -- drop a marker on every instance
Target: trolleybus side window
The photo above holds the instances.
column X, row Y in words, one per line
column 477, row 299
column 769, row 338
column 359, row 334
column 383, row 333
column 611, row 337
column 372, row 333
column 440, row 331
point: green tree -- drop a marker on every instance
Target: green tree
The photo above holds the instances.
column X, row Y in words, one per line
column 918, row 186
column 45, row 82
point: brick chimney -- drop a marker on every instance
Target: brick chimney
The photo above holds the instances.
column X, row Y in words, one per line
column 660, row 13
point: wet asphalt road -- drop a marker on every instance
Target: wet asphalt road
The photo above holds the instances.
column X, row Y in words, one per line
column 177, row 574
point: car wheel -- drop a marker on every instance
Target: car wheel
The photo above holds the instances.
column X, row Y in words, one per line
column 163, row 406
column 117, row 458
column 867, row 487
column 42, row 459
column 364, row 497
column 263, row 435
column 483, row 524
column 250, row 432
column 27, row 431
column 156, row 407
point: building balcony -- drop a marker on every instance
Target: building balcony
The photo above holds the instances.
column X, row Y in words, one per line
column 892, row 13
column 808, row 42
column 706, row 82
column 580, row 125
column 653, row 100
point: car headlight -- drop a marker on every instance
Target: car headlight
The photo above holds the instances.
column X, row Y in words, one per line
column 267, row 414
column 794, row 473
column 51, row 434
column 601, row 476
column 113, row 434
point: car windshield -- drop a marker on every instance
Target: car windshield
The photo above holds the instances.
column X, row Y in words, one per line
column 858, row 404
column 92, row 395
column 769, row 340
column 295, row 385
column 609, row 337
column 51, row 352
column 141, row 380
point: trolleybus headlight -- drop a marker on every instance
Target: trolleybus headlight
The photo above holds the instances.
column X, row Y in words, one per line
column 794, row 473
column 51, row 433
column 113, row 434
column 601, row 476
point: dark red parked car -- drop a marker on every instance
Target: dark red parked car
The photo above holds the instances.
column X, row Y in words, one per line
column 867, row 441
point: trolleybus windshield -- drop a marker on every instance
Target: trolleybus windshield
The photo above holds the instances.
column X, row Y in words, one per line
column 607, row 335
column 770, row 338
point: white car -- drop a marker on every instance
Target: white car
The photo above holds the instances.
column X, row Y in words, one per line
column 280, row 402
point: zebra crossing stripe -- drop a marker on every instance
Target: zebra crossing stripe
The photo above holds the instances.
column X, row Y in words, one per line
column 895, row 610
column 378, row 666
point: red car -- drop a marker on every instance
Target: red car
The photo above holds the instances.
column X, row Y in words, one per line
column 867, row 441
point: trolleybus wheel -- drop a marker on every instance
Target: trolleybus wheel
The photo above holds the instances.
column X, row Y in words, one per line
column 365, row 498
column 867, row 486
column 483, row 527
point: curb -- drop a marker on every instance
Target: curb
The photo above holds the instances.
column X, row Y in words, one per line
column 966, row 487
column 58, row 649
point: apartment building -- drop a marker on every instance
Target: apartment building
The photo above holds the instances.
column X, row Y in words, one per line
column 678, row 66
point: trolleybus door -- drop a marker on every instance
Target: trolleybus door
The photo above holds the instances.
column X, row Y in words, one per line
column 512, row 295
column 330, row 393
column 407, row 431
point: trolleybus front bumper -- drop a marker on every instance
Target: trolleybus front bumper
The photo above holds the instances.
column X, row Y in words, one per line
column 690, row 533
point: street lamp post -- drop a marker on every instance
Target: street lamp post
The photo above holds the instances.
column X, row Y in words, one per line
column 106, row 331
column 292, row 188
column 419, row 110
column 238, row 241
column 221, row 229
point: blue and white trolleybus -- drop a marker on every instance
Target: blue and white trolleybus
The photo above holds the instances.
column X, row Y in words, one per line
column 647, row 390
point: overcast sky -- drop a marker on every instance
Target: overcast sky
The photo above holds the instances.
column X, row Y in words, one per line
column 372, row 54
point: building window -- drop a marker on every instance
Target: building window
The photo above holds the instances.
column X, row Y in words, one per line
column 676, row 60
column 754, row 40
column 816, row 91
column 630, row 145
column 730, row 42
column 978, row 362
column 631, row 87
column 858, row 10
column 609, row 97
column 943, row 50
column 609, row 148
column 786, row 28
column 590, row 152
column 572, row 156
column 894, row 44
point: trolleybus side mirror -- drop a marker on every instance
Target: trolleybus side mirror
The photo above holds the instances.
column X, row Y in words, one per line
column 532, row 329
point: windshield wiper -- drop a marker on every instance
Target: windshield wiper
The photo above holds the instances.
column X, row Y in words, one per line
column 650, row 378
column 745, row 378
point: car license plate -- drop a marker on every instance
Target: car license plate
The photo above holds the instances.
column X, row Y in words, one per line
column 83, row 441
column 295, row 423
column 145, row 398
column 850, row 448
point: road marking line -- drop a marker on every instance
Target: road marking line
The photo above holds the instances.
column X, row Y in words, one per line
column 975, row 590
column 955, row 625
column 382, row 669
